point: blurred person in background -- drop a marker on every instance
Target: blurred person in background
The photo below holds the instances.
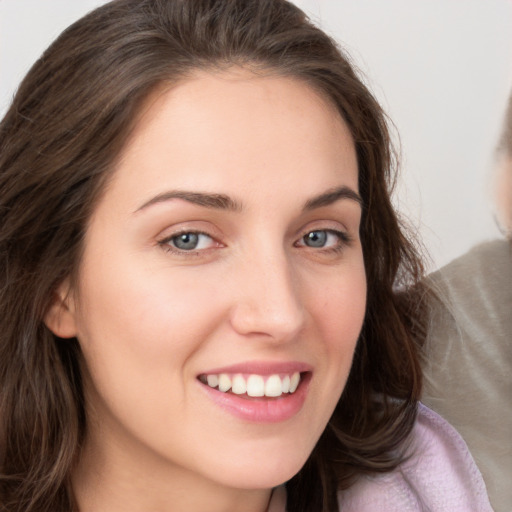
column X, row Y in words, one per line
column 468, row 354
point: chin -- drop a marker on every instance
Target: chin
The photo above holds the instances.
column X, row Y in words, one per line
column 263, row 472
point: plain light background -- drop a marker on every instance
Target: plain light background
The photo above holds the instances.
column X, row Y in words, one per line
column 442, row 69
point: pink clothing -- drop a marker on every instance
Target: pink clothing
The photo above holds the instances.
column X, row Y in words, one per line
column 440, row 476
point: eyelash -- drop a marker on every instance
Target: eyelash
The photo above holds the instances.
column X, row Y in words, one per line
column 344, row 240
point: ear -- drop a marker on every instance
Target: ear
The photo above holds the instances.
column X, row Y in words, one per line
column 61, row 317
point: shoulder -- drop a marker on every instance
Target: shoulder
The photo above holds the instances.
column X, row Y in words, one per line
column 468, row 348
column 496, row 251
column 486, row 267
column 467, row 358
column 438, row 476
column 472, row 301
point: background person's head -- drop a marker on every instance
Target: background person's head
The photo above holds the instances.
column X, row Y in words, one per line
column 60, row 142
column 503, row 179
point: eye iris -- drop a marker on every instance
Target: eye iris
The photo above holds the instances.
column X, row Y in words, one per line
column 316, row 239
column 186, row 241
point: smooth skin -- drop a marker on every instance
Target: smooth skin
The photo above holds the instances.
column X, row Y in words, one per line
column 268, row 268
column 503, row 193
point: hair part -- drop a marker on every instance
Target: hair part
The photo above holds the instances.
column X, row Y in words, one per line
column 59, row 143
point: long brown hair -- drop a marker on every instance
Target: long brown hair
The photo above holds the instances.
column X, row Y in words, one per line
column 59, row 141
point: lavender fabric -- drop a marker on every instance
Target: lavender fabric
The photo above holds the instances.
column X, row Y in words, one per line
column 440, row 476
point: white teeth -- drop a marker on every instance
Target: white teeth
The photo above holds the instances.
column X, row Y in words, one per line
column 213, row 381
column 224, row 382
column 294, row 382
column 286, row 384
column 273, row 386
column 254, row 385
column 239, row 386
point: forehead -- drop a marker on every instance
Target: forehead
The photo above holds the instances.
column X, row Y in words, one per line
column 250, row 84
column 208, row 97
column 238, row 126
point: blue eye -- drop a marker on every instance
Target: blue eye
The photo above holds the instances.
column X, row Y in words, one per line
column 190, row 241
column 323, row 238
column 315, row 239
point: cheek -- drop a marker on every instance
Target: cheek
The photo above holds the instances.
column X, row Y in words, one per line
column 339, row 312
column 138, row 331
column 138, row 335
column 504, row 196
column 340, row 308
column 145, row 310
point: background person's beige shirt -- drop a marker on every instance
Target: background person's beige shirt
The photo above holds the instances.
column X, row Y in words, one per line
column 468, row 360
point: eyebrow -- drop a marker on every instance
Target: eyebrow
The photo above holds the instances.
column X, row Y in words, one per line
column 331, row 196
column 224, row 202
column 214, row 201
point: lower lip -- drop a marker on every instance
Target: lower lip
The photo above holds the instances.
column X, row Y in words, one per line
column 262, row 409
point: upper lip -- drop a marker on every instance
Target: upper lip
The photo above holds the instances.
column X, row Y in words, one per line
column 262, row 368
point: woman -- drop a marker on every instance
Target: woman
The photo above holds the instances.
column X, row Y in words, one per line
column 198, row 261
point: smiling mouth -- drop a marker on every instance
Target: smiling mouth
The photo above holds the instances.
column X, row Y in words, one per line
column 254, row 385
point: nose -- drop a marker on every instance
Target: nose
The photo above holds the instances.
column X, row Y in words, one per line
column 268, row 302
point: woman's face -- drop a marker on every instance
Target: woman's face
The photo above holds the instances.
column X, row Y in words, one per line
column 222, row 263
column 503, row 188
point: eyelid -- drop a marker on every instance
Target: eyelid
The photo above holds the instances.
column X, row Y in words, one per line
column 330, row 224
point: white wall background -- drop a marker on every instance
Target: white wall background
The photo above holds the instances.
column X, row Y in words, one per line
column 441, row 68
